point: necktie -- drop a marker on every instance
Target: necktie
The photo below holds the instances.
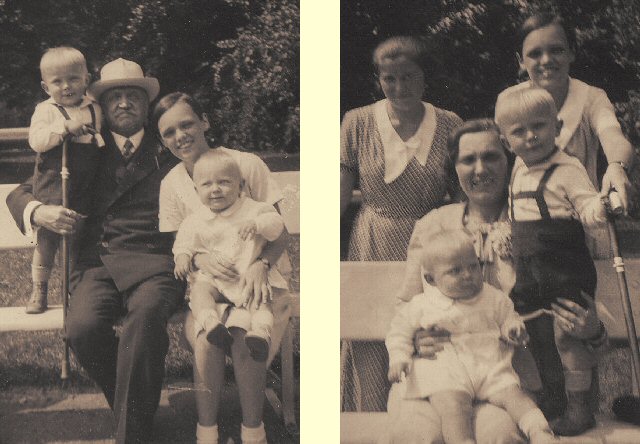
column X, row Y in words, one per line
column 128, row 147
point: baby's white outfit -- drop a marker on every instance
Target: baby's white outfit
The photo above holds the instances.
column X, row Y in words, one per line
column 475, row 361
column 205, row 231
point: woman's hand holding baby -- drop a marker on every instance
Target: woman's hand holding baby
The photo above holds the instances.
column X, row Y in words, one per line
column 428, row 342
column 183, row 267
column 396, row 370
column 579, row 322
column 255, row 285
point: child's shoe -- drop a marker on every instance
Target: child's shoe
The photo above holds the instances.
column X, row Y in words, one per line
column 577, row 418
column 218, row 334
column 258, row 343
column 38, row 300
column 627, row 409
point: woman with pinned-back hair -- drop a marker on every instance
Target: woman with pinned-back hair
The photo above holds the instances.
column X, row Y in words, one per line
column 396, row 150
column 182, row 125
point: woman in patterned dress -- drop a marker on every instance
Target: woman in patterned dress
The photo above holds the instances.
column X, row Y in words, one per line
column 396, row 149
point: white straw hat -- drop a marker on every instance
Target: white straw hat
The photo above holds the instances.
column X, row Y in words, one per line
column 121, row 72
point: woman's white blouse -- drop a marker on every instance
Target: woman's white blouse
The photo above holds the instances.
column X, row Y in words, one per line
column 178, row 196
column 397, row 152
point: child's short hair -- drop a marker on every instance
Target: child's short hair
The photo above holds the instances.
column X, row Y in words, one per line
column 218, row 158
column 437, row 242
column 398, row 46
column 60, row 57
column 516, row 104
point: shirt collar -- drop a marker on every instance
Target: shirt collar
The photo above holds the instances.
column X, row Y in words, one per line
column 436, row 298
column 572, row 110
column 210, row 215
column 136, row 139
column 86, row 101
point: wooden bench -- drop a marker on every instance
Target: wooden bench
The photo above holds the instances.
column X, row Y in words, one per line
column 15, row 318
column 367, row 300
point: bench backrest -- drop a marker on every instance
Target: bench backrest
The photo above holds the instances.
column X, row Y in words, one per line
column 367, row 298
column 289, row 181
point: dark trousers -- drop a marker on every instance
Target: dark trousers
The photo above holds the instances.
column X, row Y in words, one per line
column 540, row 280
column 130, row 368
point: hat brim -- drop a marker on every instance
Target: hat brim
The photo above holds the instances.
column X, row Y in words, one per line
column 149, row 84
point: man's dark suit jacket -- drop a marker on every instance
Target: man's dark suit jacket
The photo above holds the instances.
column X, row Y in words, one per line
column 121, row 232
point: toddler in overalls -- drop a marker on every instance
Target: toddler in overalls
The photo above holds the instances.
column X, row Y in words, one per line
column 551, row 198
column 235, row 227
column 475, row 364
column 67, row 112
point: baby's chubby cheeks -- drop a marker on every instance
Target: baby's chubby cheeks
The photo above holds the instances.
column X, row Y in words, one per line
column 450, row 263
column 218, row 180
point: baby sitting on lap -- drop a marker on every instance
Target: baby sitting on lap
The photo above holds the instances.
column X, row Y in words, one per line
column 476, row 363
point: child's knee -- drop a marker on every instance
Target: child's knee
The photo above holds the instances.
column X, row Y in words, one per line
column 240, row 318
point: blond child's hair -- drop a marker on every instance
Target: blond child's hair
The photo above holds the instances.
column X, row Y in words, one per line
column 512, row 106
column 445, row 240
column 62, row 56
column 219, row 159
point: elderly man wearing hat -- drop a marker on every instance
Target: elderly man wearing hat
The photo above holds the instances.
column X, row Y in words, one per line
column 124, row 266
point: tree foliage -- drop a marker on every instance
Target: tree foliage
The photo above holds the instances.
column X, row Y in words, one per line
column 473, row 48
column 189, row 45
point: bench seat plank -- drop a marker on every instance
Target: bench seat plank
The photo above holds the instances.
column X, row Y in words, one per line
column 370, row 427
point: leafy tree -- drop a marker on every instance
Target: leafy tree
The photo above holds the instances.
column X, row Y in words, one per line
column 257, row 80
column 190, row 45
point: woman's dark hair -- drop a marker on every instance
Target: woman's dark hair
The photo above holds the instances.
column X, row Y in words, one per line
column 470, row 126
column 168, row 101
column 410, row 47
column 477, row 126
column 541, row 20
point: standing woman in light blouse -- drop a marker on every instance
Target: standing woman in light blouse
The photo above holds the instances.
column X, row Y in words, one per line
column 396, row 149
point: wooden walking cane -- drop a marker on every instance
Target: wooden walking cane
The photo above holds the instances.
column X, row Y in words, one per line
column 627, row 407
column 64, row 172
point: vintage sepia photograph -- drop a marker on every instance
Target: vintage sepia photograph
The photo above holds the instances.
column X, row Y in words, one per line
column 489, row 221
column 150, row 221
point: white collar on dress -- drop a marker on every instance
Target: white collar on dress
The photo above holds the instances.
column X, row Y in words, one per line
column 571, row 112
column 398, row 153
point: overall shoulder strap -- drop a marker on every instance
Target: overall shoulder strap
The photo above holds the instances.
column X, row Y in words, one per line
column 62, row 111
column 539, row 193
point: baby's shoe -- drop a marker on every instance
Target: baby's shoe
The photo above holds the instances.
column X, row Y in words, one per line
column 218, row 334
column 577, row 417
column 258, row 342
column 38, row 300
